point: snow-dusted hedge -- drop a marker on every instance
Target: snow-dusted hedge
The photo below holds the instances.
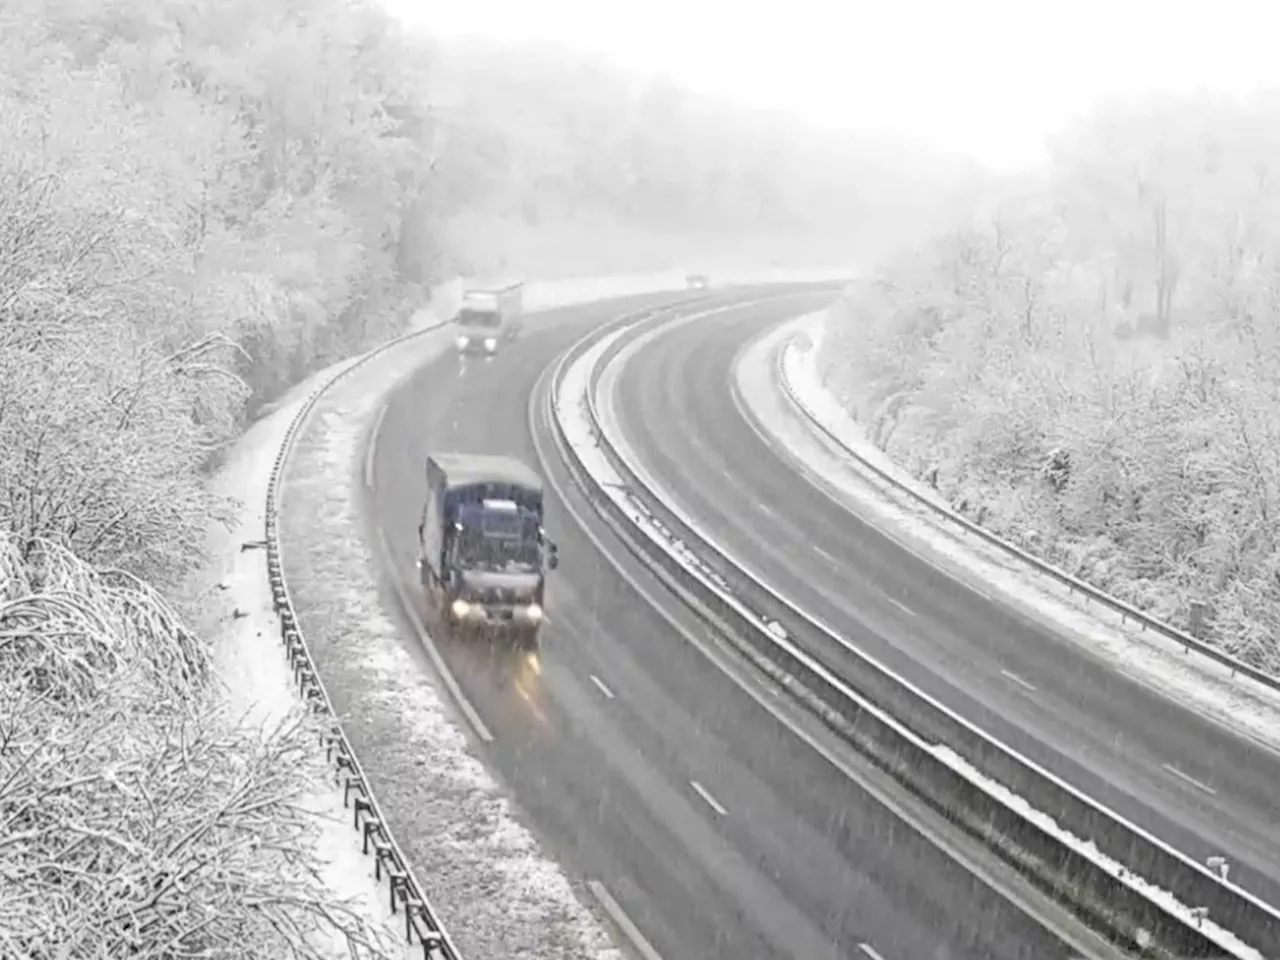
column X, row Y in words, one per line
column 139, row 819
column 1094, row 370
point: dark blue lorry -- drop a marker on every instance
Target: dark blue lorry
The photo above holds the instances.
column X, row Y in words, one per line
column 484, row 553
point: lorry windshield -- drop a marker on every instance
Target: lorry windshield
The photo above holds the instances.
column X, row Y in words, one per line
column 485, row 319
column 485, row 550
column 499, row 539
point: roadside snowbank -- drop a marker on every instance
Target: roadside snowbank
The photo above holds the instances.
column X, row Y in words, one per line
column 234, row 613
column 1201, row 684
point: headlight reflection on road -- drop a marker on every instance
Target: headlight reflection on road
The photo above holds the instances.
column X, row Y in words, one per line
column 527, row 697
column 526, row 680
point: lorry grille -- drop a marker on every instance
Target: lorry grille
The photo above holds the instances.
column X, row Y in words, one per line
column 499, row 604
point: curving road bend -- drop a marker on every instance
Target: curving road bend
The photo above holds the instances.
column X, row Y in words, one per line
column 645, row 756
column 1186, row 779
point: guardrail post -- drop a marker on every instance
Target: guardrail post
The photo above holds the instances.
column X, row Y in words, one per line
column 1198, row 612
column 432, row 945
column 362, row 808
column 353, row 783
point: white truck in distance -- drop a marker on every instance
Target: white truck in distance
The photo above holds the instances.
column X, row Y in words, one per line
column 489, row 315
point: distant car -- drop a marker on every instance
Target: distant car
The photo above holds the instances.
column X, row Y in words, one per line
column 697, row 281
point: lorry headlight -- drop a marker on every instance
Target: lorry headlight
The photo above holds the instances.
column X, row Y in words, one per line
column 533, row 612
column 461, row 608
column 462, row 343
column 490, row 344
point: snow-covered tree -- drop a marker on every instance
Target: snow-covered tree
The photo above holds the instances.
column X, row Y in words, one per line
column 141, row 820
column 1121, row 316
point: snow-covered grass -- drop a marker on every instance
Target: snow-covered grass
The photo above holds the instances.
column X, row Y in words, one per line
column 234, row 613
column 571, row 409
column 1202, row 684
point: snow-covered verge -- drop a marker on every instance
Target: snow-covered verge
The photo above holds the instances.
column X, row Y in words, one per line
column 1200, row 683
column 572, row 411
column 234, row 613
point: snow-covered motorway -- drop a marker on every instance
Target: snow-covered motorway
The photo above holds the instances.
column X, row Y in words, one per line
column 1188, row 780
column 650, row 760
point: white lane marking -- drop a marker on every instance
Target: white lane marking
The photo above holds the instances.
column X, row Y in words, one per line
column 901, row 606
column 373, row 447
column 870, row 951
column 836, row 565
column 1010, row 675
column 620, row 918
column 705, row 794
column 1187, row 778
column 451, row 684
column 601, row 687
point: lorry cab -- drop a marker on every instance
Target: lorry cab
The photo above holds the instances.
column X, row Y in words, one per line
column 489, row 316
column 484, row 554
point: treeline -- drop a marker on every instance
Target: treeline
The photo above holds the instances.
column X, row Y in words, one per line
column 537, row 136
column 201, row 203
column 555, row 163
column 198, row 203
column 1093, row 366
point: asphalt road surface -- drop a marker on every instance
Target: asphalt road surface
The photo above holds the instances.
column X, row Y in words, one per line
column 638, row 758
column 1188, row 780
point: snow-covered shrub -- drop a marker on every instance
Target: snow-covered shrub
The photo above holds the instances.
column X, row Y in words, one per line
column 140, row 821
column 1122, row 311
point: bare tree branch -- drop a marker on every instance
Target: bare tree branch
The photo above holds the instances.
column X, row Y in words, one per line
column 135, row 817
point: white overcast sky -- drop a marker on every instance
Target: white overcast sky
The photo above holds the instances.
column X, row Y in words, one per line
column 988, row 79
